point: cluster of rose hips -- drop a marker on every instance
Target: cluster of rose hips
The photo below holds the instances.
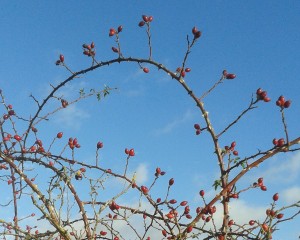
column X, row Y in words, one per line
column 197, row 128
column 130, row 152
column 89, row 49
column 113, row 206
column 270, row 213
column 260, row 183
column 228, row 75
column 278, row 142
column 158, row 172
column 196, row 33
column 282, row 103
column 262, row 95
column 73, row 143
column 113, row 32
column 182, row 72
column 60, row 60
column 146, row 19
column 3, row 166
column 39, row 148
column 173, row 213
column 231, row 149
column 10, row 112
column 144, row 190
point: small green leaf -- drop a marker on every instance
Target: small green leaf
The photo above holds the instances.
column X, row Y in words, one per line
column 98, row 96
column 217, row 184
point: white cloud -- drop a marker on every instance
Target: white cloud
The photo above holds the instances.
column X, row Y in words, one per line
column 173, row 124
column 291, row 195
column 141, row 174
column 72, row 116
column 286, row 170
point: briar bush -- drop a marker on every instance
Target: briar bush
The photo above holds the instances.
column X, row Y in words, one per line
column 70, row 198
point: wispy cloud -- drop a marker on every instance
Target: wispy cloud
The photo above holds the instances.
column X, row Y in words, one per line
column 141, row 174
column 286, row 170
column 66, row 117
column 291, row 195
column 175, row 123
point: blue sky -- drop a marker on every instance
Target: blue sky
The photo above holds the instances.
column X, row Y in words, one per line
column 257, row 40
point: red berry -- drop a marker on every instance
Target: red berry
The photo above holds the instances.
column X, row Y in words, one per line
column 131, row 152
column 263, row 188
column 145, row 18
column 260, row 180
column 173, row 201
column 267, row 99
column 230, row 76
column 197, row 35
column 230, row 223
column 287, row 104
column 116, row 50
column 10, row 106
column 235, row 153
column 276, row 197
column 281, row 99
column 259, row 91
column 141, row 23
column 18, row 138
column 170, row 215
column 194, row 30
column 280, row 142
column 120, row 28
column 61, row 58
column 235, row 195
column 146, row 70
column 126, row 151
column 112, row 32
column 103, row 233
column 158, row 170
column 187, row 210
column 196, row 126
column 158, row 200
column 150, row 18
column 233, row 144
column 164, row 232
column 202, row 193
column 11, row 112
column 189, row 229
column 183, row 203
column 279, row 215
column 187, row 70
column 251, row 222
column 265, row 227
column 100, row 145
column 145, row 190
column 198, row 131
column 171, row 181
column 39, row 142
column 275, row 141
column 182, row 74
